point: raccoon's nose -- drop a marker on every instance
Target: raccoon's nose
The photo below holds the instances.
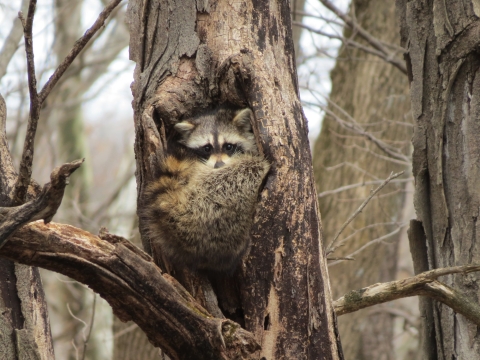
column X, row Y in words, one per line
column 218, row 164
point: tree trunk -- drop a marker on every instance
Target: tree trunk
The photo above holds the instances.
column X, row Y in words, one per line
column 442, row 39
column 374, row 93
column 191, row 55
column 24, row 325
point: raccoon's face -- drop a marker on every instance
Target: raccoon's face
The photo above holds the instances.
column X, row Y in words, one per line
column 218, row 136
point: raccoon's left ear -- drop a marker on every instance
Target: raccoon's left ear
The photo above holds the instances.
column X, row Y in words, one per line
column 184, row 128
column 242, row 119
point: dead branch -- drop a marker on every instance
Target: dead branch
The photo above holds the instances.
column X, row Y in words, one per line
column 43, row 206
column 25, row 171
column 424, row 284
column 134, row 287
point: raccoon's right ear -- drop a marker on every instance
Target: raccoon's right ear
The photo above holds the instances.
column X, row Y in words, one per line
column 242, row 119
column 184, row 128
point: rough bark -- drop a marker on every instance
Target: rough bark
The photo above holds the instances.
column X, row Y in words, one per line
column 191, row 55
column 374, row 93
column 442, row 38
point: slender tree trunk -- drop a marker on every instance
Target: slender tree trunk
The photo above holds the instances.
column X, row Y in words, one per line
column 375, row 94
column 191, row 55
column 68, row 297
column 442, row 39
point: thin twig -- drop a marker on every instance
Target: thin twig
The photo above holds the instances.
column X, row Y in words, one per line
column 368, row 244
column 77, row 48
column 89, row 333
column 320, row 17
column 340, row 258
column 75, row 317
column 409, row 318
column 354, row 186
column 331, row 248
column 355, row 126
column 125, row 331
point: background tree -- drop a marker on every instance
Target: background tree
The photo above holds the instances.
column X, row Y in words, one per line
column 369, row 95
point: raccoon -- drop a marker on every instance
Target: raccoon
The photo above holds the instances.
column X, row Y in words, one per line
column 200, row 209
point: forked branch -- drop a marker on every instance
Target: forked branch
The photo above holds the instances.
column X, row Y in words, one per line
column 37, row 99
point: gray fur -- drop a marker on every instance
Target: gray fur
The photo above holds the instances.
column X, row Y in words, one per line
column 200, row 216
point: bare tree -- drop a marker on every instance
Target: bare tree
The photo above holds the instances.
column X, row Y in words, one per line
column 365, row 136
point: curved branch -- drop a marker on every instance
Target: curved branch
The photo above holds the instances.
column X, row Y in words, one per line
column 135, row 288
column 424, row 284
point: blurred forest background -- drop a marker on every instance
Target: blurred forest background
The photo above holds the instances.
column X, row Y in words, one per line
column 354, row 88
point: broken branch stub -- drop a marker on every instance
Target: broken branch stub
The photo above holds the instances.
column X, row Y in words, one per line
column 44, row 206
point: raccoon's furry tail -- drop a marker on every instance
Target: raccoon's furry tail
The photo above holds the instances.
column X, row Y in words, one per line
column 201, row 217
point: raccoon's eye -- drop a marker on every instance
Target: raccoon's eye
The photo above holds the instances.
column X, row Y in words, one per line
column 228, row 147
column 207, row 149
